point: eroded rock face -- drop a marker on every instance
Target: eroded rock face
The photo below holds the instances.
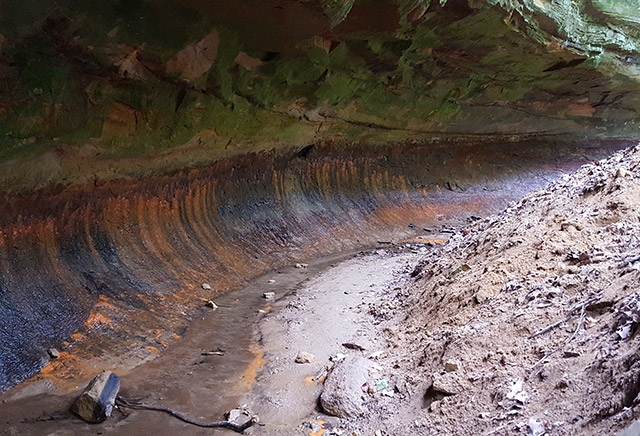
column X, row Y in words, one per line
column 343, row 394
column 99, row 245
column 122, row 121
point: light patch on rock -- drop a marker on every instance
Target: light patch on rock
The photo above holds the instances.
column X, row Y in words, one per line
column 247, row 62
column 129, row 66
column 195, row 59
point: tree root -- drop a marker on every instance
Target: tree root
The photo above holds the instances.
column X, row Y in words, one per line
column 239, row 428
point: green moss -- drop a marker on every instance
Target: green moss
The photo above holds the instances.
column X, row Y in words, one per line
column 426, row 73
column 337, row 88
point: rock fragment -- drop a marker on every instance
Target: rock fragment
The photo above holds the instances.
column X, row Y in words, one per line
column 53, row 353
column 536, row 427
column 451, row 366
column 234, row 414
column 95, row 404
column 304, row 357
column 342, row 395
column 206, row 286
column 353, row 346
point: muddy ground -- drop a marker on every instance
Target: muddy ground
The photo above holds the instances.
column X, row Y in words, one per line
column 243, row 352
column 521, row 323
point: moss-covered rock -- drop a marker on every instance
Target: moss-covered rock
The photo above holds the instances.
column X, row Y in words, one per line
column 146, row 77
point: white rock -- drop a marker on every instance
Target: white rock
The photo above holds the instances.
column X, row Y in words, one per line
column 304, row 357
column 536, row 427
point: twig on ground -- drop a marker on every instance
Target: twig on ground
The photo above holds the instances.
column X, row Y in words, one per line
column 551, row 327
column 239, row 428
column 322, row 373
column 571, row 314
column 566, row 342
column 629, row 262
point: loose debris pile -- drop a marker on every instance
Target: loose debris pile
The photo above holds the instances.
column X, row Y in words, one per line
column 526, row 322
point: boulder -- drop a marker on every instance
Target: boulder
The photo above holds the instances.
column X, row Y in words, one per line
column 96, row 401
column 343, row 395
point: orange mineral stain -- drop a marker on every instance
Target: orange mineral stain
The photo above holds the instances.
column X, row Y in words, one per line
column 249, row 375
column 97, row 320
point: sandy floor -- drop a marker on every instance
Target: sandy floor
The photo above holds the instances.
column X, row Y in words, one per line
column 316, row 309
column 329, row 311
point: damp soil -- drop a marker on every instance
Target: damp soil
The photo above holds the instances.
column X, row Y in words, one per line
column 243, row 352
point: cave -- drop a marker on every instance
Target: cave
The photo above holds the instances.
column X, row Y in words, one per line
column 180, row 173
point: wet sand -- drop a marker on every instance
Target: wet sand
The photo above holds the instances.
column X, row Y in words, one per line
column 316, row 309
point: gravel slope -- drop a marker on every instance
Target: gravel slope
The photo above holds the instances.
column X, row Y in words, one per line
column 525, row 322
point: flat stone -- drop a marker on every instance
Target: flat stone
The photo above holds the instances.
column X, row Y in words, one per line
column 536, row 427
column 353, row 346
column 53, row 353
column 269, row 295
column 342, row 395
column 206, row 286
column 451, row 366
column 95, row 404
column 447, row 384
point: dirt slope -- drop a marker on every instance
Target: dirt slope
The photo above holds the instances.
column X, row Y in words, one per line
column 471, row 328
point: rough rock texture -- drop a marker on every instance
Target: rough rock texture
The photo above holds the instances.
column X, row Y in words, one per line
column 201, row 80
column 97, row 400
column 343, row 389
column 552, row 343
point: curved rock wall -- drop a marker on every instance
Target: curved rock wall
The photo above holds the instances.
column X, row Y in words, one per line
column 115, row 271
column 149, row 146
